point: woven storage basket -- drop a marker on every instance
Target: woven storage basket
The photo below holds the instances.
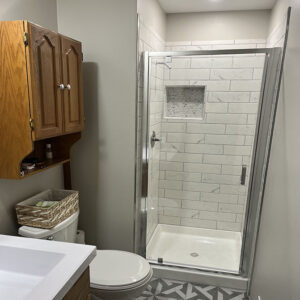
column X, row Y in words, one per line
column 31, row 215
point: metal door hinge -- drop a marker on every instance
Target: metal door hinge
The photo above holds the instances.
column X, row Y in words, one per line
column 26, row 39
column 31, row 124
column 82, row 56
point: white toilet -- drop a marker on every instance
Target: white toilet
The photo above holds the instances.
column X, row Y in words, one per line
column 114, row 274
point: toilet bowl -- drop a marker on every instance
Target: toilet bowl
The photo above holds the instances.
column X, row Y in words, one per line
column 117, row 275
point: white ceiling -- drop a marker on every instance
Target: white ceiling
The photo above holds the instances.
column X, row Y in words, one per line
column 184, row 6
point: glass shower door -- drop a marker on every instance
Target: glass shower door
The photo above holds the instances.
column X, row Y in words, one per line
column 202, row 112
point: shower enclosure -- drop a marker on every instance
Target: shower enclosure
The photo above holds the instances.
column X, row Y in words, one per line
column 205, row 129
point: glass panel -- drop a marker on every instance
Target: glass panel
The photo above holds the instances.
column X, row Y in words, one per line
column 156, row 102
column 199, row 159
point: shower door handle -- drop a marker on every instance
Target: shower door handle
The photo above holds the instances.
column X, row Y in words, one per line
column 154, row 139
column 243, row 174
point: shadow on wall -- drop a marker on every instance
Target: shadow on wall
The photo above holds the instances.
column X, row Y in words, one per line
column 85, row 158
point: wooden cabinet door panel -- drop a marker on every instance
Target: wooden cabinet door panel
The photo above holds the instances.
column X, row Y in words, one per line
column 45, row 71
column 72, row 79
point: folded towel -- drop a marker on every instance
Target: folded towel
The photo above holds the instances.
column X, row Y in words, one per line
column 45, row 204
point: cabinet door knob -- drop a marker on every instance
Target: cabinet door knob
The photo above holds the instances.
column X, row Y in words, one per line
column 68, row 86
column 61, row 86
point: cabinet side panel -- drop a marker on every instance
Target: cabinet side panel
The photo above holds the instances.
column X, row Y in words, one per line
column 15, row 132
column 81, row 289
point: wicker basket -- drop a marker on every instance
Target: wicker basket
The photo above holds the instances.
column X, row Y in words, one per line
column 31, row 215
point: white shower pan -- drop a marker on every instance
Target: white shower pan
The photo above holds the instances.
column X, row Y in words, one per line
column 196, row 247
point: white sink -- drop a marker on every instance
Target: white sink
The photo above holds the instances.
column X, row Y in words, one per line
column 22, row 269
column 40, row 269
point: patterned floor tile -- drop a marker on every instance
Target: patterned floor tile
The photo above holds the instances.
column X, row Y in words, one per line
column 160, row 289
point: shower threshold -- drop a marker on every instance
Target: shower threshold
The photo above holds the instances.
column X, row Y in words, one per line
column 196, row 247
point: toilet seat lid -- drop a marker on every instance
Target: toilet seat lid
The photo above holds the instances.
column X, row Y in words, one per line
column 113, row 268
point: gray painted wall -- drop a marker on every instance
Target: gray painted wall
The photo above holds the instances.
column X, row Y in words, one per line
column 207, row 26
column 42, row 12
column 104, row 160
column 277, row 266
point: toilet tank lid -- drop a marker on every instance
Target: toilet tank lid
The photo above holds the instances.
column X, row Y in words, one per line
column 39, row 233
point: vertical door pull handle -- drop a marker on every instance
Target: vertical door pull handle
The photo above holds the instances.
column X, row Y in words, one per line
column 243, row 174
column 154, row 139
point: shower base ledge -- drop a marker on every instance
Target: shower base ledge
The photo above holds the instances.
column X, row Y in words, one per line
column 202, row 277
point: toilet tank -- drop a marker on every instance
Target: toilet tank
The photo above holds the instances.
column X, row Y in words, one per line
column 64, row 231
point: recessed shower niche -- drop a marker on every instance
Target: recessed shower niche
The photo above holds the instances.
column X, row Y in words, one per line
column 185, row 102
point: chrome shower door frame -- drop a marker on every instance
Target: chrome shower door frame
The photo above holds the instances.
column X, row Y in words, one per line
column 268, row 101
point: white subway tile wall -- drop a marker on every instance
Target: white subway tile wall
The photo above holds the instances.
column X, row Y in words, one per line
column 201, row 160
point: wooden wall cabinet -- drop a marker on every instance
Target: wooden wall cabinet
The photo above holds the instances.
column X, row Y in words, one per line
column 40, row 95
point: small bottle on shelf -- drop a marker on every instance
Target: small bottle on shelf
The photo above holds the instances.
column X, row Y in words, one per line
column 49, row 153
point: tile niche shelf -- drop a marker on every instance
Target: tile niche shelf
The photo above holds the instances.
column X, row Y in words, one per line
column 185, row 102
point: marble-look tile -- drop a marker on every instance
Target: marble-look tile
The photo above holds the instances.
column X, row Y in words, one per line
column 185, row 101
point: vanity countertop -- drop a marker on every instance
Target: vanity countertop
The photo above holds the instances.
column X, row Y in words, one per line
column 39, row 269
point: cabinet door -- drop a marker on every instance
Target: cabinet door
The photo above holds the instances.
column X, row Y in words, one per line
column 72, row 79
column 45, row 77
